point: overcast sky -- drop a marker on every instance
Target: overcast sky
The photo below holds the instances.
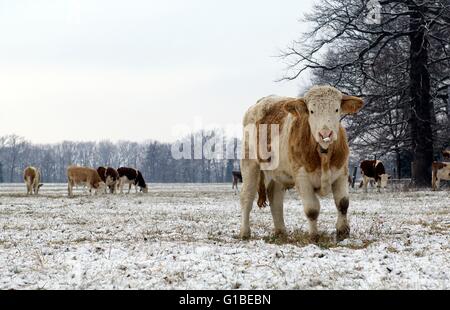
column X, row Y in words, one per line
column 103, row 69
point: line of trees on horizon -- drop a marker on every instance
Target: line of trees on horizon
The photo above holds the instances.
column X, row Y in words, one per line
column 154, row 159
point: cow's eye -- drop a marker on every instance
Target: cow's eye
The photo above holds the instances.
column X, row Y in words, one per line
column 337, row 110
column 312, row 112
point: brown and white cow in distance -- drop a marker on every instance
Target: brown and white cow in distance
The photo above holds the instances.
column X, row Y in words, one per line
column 373, row 170
column 111, row 178
column 84, row 176
column 32, row 178
column 311, row 154
column 237, row 177
column 441, row 171
column 131, row 177
column 446, row 154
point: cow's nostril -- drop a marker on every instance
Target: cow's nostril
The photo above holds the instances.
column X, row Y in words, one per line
column 326, row 134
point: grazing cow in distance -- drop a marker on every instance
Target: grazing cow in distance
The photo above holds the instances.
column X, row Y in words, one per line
column 84, row 176
column 32, row 178
column 110, row 176
column 237, row 177
column 441, row 171
column 311, row 154
column 374, row 170
column 446, row 154
column 112, row 179
column 131, row 177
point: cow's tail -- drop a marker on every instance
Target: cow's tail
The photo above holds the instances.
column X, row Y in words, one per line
column 262, row 192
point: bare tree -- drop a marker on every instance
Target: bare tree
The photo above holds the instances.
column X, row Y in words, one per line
column 417, row 29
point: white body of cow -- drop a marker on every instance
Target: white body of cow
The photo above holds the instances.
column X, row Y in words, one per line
column 322, row 140
column 32, row 179
column 441, row 171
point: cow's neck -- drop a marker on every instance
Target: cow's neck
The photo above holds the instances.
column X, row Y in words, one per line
column 325, row 176
column 307, row 153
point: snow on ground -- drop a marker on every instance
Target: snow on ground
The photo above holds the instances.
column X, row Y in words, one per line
column 185, row 237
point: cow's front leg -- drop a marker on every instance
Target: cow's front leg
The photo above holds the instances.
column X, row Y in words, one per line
column 276, row 197
column 341, row 198
column 311, row 205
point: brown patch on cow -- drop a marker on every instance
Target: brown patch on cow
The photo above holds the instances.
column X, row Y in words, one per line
column 438, row 166
column 343, row 206
column 340, row 150
column 29, row 173
column 351, row 104
column 446, row 154
column 303, row 147
column 274, row 115
column 305, row 151
column 102, row 173
column 312, row 214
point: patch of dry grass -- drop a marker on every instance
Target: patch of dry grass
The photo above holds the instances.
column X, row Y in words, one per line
column 324, row 241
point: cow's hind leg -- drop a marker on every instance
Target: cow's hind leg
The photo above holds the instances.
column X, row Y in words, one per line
column 251, row 172
column 341, row 199
column 366, row 182
column 276, row 196
column 70, row 188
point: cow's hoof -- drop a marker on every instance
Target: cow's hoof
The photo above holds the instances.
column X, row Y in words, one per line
column 314, row 238
column 245, row 234
column 343, row 233
column 280, row 234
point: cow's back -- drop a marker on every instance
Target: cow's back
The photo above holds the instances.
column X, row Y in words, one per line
column 30, row 173
column 129, row 173
column 269, row 108
column 368, row 168
column 82, row 174
column 112, row 173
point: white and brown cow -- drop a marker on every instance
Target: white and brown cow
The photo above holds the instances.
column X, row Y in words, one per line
column 441, row 171
column 111, row 178
column 311, row 154
column 373, row 170
column 131, row 177
column 237, row 177
column 84, row 176
column 32, row 178
column 446, row 154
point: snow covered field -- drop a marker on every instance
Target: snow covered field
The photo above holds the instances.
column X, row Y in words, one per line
column 185, row 237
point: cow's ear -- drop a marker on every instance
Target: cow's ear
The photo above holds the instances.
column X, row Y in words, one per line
column 351, row 104
column 296, row 107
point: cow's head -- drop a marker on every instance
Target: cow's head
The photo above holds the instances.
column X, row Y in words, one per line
column 39, row 187
column 99, row 186
column 144, row 189
column 324, row 106
column 384, row 180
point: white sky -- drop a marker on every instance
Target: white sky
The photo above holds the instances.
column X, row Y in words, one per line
column 104, row 69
